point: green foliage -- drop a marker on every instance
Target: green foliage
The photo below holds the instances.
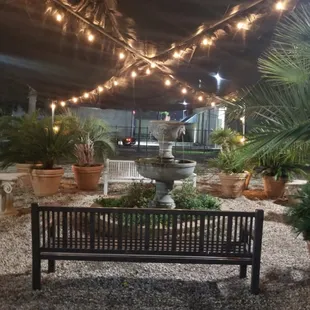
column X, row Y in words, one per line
column 188, row 198
column 281, row 164
column 226, row 138
column 228, row 162
column 140, row 194
column 299, row 215
column 280, row 102
column 31, row 140
column 90, row 129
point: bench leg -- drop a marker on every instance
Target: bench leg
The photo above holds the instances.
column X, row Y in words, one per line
column 51, row 266
column 36, row 273
column 255, row 279
column 243, row 270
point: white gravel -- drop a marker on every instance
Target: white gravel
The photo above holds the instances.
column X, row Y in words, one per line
column 285, row 275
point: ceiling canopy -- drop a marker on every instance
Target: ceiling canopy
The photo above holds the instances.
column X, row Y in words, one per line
column 137, row 54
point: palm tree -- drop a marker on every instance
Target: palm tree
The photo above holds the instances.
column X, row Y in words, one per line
column 280, row 102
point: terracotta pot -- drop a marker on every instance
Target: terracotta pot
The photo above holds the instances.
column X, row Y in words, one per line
column 274, row 188
column 232, row 184
column 26, row 168
column 87, row 178
column 247, row 180
column 308, row 246
column 46, row 182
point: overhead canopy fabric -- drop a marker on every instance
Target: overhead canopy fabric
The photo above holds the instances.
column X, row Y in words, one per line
column 57, row 60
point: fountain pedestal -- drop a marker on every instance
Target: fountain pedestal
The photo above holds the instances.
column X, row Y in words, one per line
column 162, row 197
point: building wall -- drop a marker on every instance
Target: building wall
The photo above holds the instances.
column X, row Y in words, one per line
column 119, row 120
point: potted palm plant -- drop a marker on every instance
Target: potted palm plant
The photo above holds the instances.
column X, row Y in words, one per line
column 49, row 144
column 16, row 152
column 299, row 215
column 232, row 174
column 277, row 168
column 94, row 143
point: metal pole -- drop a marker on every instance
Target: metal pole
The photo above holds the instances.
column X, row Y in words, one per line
column 139, row 130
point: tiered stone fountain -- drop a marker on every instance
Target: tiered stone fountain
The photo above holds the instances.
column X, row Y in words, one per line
column 164, row 168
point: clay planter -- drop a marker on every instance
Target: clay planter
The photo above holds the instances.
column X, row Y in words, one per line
column 46, row 182
column 232, row 184
column 87, row 178
column 308, row 246
column 26, row 168
column 274, row 188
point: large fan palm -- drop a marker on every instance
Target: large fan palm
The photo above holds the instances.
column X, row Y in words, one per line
column 280, row 103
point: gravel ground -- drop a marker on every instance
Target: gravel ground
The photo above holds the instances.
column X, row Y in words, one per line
column 285, row 273
column 285, row 276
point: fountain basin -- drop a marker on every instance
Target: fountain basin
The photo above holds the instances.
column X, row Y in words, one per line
column 159, row 170
column 166, row 131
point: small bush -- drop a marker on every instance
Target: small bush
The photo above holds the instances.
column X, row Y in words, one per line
column 188, row 198
column 110, row 202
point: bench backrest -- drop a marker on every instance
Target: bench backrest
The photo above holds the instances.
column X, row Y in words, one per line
column 146, row 231
column 122, row 169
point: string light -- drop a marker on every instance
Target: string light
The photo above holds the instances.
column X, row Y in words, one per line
column 91, row 37
column 280, row 6
column 59, row 17
column 167, row 82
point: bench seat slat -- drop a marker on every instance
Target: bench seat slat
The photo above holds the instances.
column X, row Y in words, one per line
column 146, row 258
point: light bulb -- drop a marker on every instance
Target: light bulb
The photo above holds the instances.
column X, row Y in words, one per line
column 200, row 98
column 206, row 41
column 121, row 55
column 115, row 83
column 184, row 91
column 242, row 119
column 167, row 82
column 153, row 65
column 100, row 89
column 86, row 95
column 75, row 100
column 91, row 37
column 213, row 104
column 242, row 140
column 53, row 106
column 63, row 103
column 242, row 25
column 56, row 129
column 176, row 54
column 280, row 6
column 148, row 71
column 59, row 17
column 133, row 74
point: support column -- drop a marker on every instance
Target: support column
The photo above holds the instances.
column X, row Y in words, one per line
column 32, row 100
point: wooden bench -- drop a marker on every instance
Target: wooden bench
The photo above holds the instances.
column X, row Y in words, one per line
column 146, row 235
column 125, row 171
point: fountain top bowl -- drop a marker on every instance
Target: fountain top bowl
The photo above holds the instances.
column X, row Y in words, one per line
column 167, row 130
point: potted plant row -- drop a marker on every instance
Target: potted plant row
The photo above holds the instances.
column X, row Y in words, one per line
column 32, row 140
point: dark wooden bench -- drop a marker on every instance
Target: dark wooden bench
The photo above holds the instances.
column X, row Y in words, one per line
column 146, row 235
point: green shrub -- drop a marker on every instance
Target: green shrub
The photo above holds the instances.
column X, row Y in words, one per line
column 299, row 215
column 188, row 198
column 140, row 194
